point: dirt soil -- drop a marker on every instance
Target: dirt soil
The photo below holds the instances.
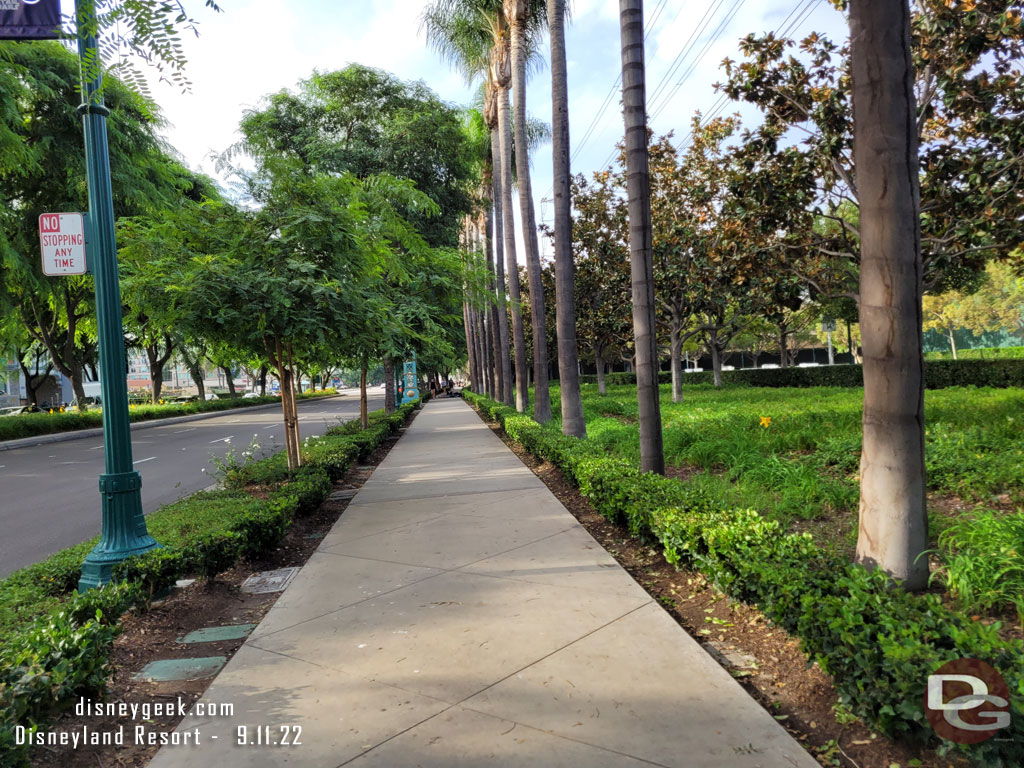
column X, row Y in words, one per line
column 154, row 635
column 765, row 659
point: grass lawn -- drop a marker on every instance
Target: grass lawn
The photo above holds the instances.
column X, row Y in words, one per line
column 793, row 455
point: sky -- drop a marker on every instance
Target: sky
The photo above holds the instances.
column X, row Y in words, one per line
column 258, row 47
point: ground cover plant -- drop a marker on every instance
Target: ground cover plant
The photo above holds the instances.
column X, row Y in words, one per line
column 54, row 643
column 878, row 644
column 793, row 455
column 69, row 420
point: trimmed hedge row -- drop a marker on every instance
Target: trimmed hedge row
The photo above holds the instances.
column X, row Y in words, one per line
column 879, row 644
column 980, row 353
column 64, row 653
column 939, row 374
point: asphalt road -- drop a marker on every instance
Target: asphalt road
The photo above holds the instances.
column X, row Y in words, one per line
column 49, row 497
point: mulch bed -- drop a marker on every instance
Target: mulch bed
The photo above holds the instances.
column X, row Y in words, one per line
column 154, row 635
column 765, row 659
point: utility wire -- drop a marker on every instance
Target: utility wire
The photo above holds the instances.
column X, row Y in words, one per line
column 797, row 16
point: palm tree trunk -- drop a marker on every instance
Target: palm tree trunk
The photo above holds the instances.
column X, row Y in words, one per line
column 480, row 337
column 638, row 187
column 893, row 520
column 509, row 230
column 541, row 397
column 470, row 349
column 494, row 337
column 504, row 356
column 565, row 298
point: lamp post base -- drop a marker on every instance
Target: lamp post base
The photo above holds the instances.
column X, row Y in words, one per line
column 124, row 529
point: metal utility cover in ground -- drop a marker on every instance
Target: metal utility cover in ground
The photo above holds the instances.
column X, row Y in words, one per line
column 343, row 495
column 269, row 581
column 164, row 670
column 62, row 240
column 216, row 634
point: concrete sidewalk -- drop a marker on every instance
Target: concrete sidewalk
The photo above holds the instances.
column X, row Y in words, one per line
column 458, row 616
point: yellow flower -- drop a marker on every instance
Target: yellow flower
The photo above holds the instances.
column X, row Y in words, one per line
column 766, row 421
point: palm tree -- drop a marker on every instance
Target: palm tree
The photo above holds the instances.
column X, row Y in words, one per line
column 491, row 116
column 893, row 528
column 474, row 36
column 525, row 17
column 638, row 188
column 565, row 307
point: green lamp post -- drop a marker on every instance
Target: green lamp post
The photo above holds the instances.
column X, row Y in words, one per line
column 123, row 533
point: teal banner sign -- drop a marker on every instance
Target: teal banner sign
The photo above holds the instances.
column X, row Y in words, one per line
column 410, row 384
column 29, row 19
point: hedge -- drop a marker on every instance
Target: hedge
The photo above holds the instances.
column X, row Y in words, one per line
column 980, row 353
column 939, row 374
column 54, row 649
column 879, row 644
column 35, row 424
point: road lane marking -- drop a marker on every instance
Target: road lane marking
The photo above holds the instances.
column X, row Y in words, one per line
column 190, row 429
column 139, row 461
column 71, row 462
column 272, row 426
column 221, row 440
column 96, row 447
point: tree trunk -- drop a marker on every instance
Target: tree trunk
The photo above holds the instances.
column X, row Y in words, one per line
column 470, row 349
column 565, row 299
column 79, row 389
column 520, row 54
column 292, row 406
column 638, row 185
column 783, row 352
column 599, row 363
column 504, row 353
column 389, row 384
column 952, row 340
column 487, row 350
column 263, row 381
column 195, row 370
column 494, row 330
column 675, row 352
column 512, row 266
column 480, row 334
column 229, row 376
column 33, row 381
column 364, row 414
column 283, row 375
column 716, row 358
column 893, row 531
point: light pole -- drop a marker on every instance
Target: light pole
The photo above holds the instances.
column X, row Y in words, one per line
column 123, row 533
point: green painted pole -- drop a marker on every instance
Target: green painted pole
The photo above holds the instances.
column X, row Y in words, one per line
column 123, row 533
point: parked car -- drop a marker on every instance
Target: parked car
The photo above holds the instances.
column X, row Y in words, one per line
column 88, row 400
column 17, row 410
column 250, row 395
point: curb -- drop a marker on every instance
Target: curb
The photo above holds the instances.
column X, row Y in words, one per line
column 78, row 434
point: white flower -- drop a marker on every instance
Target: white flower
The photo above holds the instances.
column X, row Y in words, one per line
column 203, row 469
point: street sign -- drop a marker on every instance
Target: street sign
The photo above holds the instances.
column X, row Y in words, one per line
column 62, row 239
column 828, row 325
